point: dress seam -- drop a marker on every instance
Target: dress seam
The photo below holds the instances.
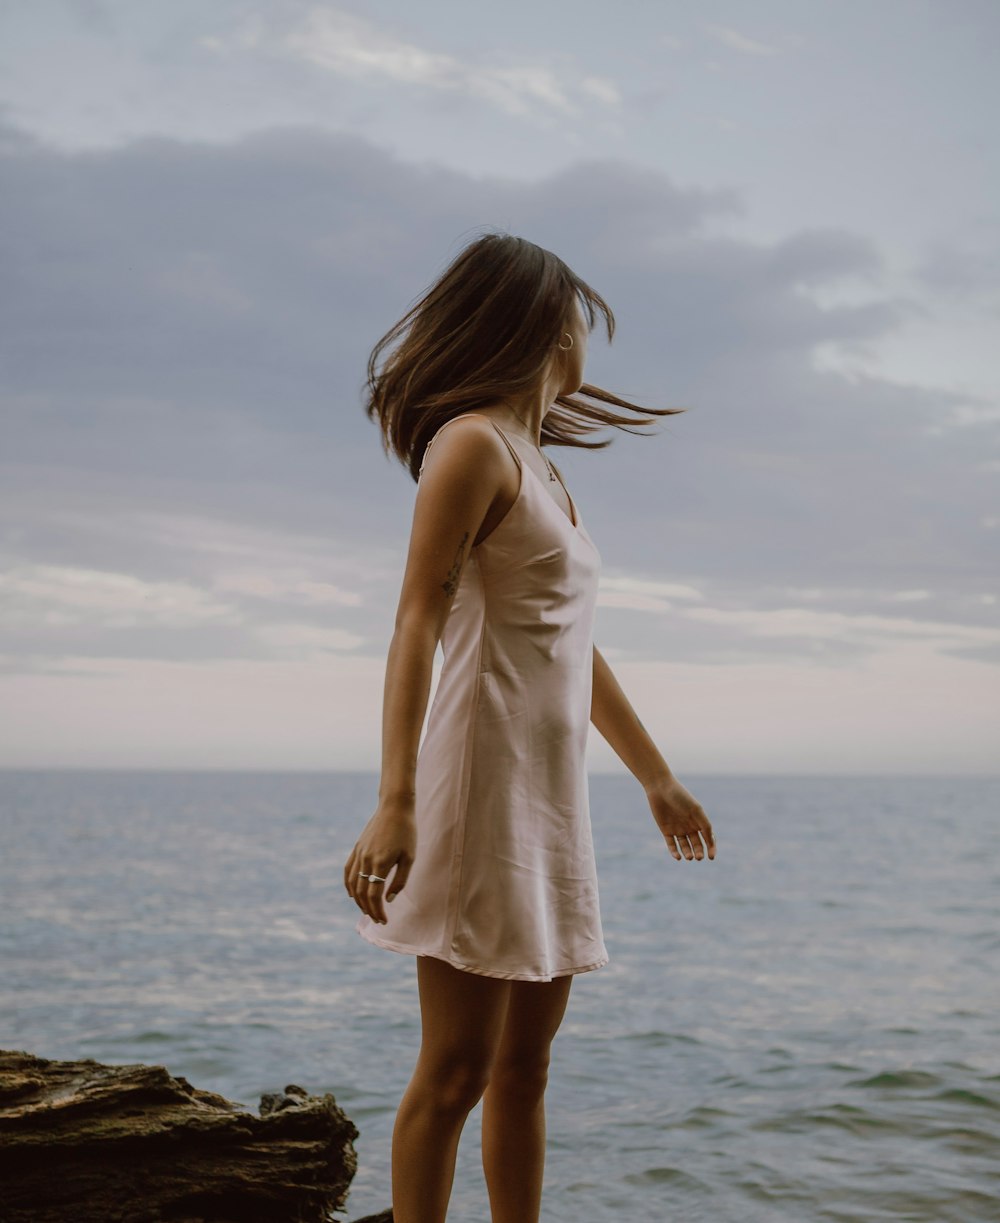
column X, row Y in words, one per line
column 454, row 905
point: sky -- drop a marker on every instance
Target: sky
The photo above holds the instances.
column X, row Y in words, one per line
column 209, row 213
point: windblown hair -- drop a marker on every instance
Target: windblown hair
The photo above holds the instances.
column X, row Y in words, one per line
column 485, row 330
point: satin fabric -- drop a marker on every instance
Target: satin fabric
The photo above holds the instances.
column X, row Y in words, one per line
column 504, row 881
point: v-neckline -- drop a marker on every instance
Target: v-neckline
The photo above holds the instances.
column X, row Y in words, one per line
column 574, row 522
column 572, row 504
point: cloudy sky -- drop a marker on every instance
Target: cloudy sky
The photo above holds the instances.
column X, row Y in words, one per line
column 209, row 212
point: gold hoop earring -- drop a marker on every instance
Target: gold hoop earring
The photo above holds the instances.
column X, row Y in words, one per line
column 566, row 347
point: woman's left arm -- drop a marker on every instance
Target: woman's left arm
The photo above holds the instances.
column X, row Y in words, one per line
column 678, row 815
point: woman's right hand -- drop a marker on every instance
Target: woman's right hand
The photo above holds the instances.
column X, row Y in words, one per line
column 388, row 840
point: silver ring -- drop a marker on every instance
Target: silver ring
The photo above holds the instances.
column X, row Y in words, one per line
column 376, row 879
column 362, row 875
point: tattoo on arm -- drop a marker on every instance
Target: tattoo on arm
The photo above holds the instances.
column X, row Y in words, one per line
column 450, row 584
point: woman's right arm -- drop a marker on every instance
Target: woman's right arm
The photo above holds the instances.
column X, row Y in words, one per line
column 460, row 480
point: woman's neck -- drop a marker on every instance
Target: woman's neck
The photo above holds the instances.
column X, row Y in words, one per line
column 525, row 413
column 523, row 417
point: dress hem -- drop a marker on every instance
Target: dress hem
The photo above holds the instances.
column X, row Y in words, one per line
column 403, row 949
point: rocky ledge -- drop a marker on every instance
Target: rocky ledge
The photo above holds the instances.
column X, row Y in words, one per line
column 83, row 1142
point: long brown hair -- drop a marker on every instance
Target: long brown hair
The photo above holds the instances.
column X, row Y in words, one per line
column 485, row 329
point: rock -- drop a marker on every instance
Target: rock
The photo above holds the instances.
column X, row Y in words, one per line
column 89, row 1143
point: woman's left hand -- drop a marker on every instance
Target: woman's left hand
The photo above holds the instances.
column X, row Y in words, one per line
column 681, row 819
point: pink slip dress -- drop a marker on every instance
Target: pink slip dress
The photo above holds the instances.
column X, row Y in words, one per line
column 504, row 882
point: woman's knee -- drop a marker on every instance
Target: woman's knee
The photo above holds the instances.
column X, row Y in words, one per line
column 456, row 1082
column 523, row 1074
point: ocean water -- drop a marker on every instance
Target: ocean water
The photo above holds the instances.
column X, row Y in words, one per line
column 807, row 1028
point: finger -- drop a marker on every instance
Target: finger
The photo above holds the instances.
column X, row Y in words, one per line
column 359, row 875
column 364, row 869
column 349, row 871
column 358, row 893
column 399, row 879
column 358, row 882
column 376, row 897
column 671, row 845
column 364, row 892
column 685, row 845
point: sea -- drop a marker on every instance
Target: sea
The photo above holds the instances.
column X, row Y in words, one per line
column 806, row 1028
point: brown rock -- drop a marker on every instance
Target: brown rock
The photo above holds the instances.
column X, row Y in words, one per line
column 90, row 1143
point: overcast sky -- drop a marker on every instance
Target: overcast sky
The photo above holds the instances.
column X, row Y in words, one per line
column 209, row 212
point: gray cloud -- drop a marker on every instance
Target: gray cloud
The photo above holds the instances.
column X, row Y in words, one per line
column 963, row 270
column 185, row 330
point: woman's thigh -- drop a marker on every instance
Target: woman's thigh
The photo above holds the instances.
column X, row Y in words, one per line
column 534, row 1012
column 462, row 1014
column 467, row 1017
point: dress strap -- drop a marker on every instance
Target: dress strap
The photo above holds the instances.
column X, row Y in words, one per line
column 517, row 457
column 462, row 416
column 574, row 517
column 427, row 448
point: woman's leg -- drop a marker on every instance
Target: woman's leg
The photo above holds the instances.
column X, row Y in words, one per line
column 462, row 1020
column 514, row 1105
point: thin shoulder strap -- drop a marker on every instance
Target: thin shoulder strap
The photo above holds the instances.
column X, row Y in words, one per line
column 482, row 416
column 517, row 457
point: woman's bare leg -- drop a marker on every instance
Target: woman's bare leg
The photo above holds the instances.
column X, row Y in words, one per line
column 462, row 1020
column 514, row 1104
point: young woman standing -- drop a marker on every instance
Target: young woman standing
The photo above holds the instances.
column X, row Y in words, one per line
column 479, row 859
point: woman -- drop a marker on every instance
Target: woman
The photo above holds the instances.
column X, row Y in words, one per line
column 478, row 858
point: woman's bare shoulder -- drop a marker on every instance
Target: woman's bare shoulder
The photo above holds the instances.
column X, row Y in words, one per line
column 470, row 440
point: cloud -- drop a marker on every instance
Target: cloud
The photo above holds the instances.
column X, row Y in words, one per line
column 63, row 595
column 641, row 594
column 343, row 43
column 300, row 591
column 305, row 641
column 105, row 614
column 186, row 327
column 740, row 42
column 94, row 15
column 785, row 634
column 198, row 278
column 832, row 625
column 601, row 88
column 967, row 270
column 827, row 636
